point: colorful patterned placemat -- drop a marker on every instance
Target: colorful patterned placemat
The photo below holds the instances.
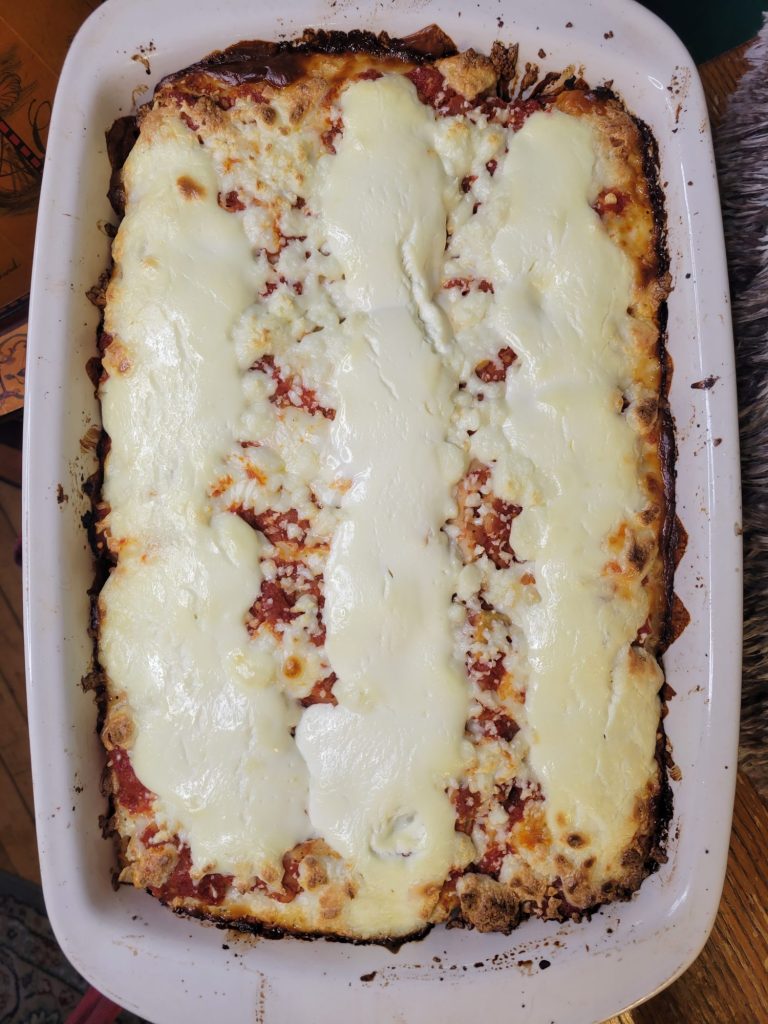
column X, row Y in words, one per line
column 13, row 354
column 38, row 985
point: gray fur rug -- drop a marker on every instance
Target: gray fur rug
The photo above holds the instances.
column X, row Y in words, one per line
column 741, row 146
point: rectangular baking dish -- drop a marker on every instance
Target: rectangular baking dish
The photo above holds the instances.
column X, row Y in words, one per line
column 169, row 969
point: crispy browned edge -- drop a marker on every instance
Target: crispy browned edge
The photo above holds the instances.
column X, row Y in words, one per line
column 486, row 904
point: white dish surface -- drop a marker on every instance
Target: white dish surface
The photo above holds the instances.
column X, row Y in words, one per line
column 167, row 968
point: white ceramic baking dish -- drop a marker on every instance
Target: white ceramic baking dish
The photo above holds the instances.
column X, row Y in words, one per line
column 169, row 969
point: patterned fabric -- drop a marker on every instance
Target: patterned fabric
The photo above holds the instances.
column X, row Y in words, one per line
column 37, row 983
column 13, row 354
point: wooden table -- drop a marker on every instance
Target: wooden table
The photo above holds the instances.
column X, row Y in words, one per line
column 728, row 984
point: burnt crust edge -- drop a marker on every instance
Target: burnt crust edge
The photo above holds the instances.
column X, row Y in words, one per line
column 673, row 535
column 249, row 926
column 282, row 63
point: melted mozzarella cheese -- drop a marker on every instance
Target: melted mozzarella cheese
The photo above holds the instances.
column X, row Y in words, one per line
column 212, row 735
column 381, row 761
column 559, row 447
column 212, row 707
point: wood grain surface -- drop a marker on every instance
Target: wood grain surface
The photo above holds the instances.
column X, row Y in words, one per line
column 18, row 846
column 728, row 983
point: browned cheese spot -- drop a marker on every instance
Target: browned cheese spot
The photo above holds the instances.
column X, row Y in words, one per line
column 117, row 358
column 292, row 667
column 488, row 905
column 118, row 729
column 190, row 188
column 637, row 556
column 331, row 903
column 155, row 866
column 648, row 514
column 646, row 411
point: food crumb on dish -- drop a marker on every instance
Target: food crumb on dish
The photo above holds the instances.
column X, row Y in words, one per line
column 706, row 384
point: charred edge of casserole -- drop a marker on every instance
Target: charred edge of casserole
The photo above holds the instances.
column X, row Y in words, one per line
column 121, row 138
column 95, row 680
column 662, row 802
column 673, row 536
column 281, row 64
column 248, row 926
